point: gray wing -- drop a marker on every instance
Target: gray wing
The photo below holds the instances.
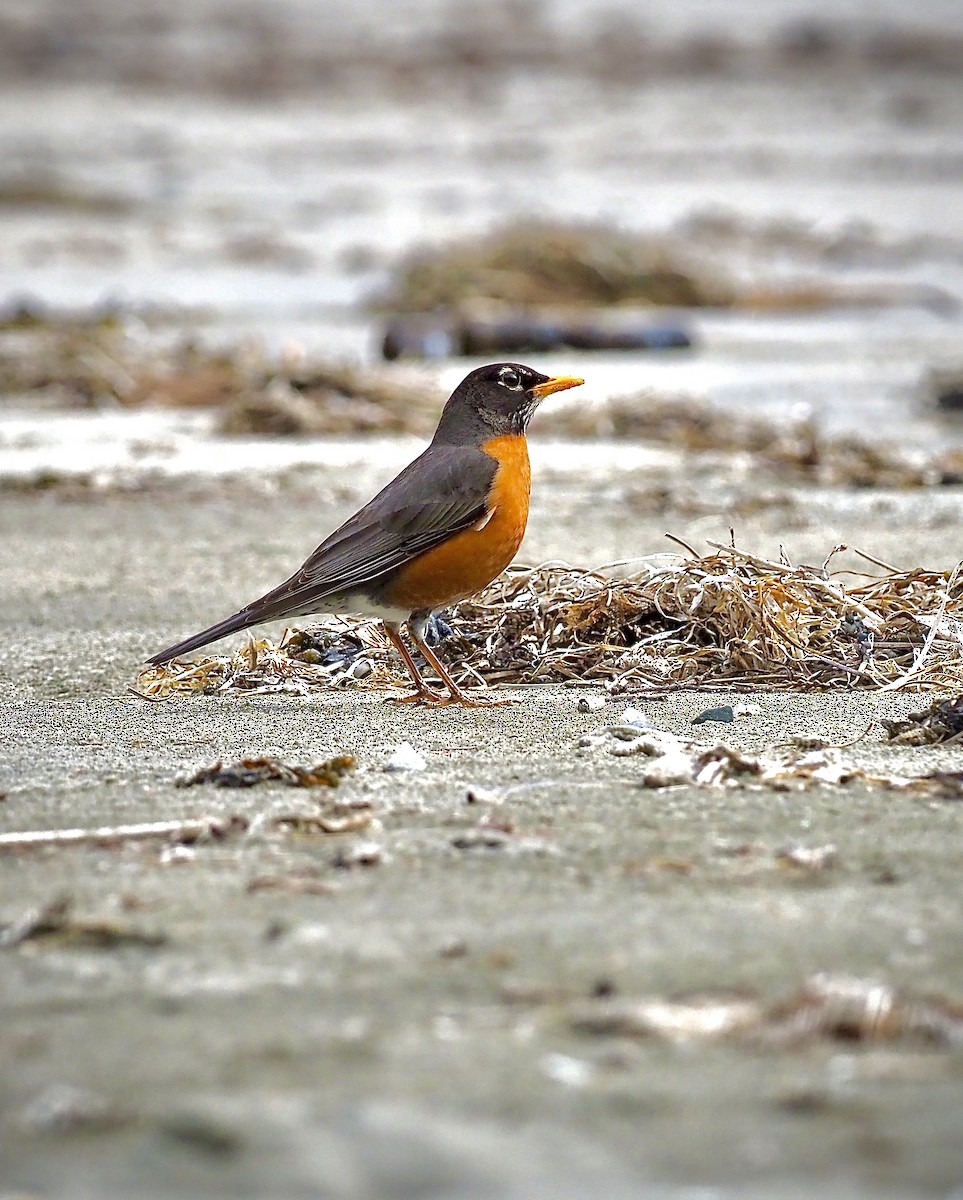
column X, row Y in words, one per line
column 439, row 494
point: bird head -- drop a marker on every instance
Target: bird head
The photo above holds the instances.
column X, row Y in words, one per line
column 502, row 397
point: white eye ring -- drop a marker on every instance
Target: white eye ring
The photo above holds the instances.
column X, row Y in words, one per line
column 509, row 378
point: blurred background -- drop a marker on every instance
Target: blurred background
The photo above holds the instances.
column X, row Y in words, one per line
column 183, row 177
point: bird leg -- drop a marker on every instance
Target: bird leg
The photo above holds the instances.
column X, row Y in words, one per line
column 456, row 695
column 424, row 692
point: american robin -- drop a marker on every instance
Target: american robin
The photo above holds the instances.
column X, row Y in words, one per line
column 439, row 532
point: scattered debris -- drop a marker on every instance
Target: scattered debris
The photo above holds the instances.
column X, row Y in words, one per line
column 404, row 757
column 259, row 667
column 847, row 1008
column 304, row 881
column 64, row 1108
column 808, row 858
column 943, row 785
column 335, row 820
column 827, row 1007
column 683, row 1018
column 669, row 761
column 184, row 833
column 939, row 724
column 322, row 646
column 725, row 617
column 264, row 769
column 360, row 854
column 53, row 922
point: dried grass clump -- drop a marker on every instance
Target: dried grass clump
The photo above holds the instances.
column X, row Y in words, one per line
column 331, row 399
column 94, row 361
column 536, row 263
column 528, row 264
column 727, row 617
column 939, row 725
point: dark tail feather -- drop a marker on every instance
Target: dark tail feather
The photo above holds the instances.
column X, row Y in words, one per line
column 241, row 620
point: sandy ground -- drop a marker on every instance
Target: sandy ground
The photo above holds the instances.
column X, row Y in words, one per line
column 405, row 1033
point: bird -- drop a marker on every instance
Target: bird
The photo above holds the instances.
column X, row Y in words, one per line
column 439, row 532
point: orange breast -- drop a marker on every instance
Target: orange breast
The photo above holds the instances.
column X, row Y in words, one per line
column 465, row 563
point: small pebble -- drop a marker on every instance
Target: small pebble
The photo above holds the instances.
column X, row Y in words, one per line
column 405, row 757
column 482, row 795
column 636, row 717
column 723, row 714
column 590, row 703
column 361, row 854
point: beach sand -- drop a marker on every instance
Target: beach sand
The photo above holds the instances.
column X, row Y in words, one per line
column 403, row 1028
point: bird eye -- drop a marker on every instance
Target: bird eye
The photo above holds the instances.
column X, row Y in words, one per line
column 509, row 378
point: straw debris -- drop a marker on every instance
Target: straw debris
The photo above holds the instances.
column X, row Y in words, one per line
column 726, row 617
column 827, row 1008
column 939, row 724
column 251, row 771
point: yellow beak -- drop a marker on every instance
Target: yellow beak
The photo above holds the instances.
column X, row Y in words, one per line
column 559, row 384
